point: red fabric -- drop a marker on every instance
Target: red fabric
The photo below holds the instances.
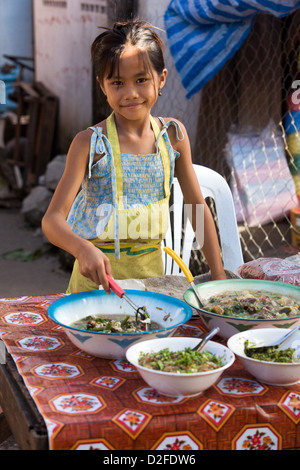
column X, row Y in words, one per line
column 94, row 403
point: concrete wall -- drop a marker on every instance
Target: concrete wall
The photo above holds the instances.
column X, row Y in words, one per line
column 16, row 30
column 64, row 31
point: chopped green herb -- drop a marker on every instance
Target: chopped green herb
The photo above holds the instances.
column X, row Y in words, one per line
column 185, row 361
column 269, row 354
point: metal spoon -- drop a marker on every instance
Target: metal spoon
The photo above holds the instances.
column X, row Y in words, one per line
column 186, row 271
column 141, row 311
column 206, row 338
column 275, row 343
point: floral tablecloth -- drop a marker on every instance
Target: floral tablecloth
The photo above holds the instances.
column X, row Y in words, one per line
column 93, row 403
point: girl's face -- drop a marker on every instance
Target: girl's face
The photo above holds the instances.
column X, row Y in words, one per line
column 133, row 91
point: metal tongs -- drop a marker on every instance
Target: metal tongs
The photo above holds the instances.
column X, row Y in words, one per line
column 139, row 311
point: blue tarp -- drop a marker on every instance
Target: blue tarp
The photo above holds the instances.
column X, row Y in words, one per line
column 204, row 34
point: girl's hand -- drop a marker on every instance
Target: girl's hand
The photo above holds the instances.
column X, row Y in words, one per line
column 93, row 264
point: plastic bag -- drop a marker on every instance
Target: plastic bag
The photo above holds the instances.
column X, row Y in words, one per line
column 262, row 185
column 273, row 269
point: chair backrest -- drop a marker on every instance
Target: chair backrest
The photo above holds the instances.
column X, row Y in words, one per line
column 180, row 235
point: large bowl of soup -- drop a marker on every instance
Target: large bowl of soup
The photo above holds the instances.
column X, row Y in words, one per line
column 237, row 305
column 104, row 325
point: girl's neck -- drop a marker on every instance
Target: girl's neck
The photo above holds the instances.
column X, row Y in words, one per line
column 136, row 137
column 138, row 128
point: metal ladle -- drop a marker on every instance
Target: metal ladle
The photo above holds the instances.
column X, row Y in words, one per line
column 186, row 271
column 277, row 342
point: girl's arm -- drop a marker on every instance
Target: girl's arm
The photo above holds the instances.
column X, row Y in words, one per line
column 92, row 262
column 192, row 195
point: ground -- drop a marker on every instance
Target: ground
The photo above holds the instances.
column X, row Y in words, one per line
column 44, row 275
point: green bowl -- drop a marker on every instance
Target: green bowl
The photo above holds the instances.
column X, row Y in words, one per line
column 231, row 325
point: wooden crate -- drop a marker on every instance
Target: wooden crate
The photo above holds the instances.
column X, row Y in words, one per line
column 20, row 413
column 5, row 431
column 39, row 106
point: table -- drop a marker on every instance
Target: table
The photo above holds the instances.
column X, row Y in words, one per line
column 54, row 396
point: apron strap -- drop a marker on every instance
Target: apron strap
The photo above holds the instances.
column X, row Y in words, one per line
column 99, row 144
column 116, row 177
column 161, row 144
column 116, row 154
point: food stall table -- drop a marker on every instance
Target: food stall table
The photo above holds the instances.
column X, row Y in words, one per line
column 55, row 396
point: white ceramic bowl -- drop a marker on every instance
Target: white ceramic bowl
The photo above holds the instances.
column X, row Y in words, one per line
column 167, row 311
column 273, row 373
column 232, row 325
column 173, row 384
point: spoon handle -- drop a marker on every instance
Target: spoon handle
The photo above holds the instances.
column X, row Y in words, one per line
column 186, row 272
column 285, row 337
column 206, row 338
column 180, row 263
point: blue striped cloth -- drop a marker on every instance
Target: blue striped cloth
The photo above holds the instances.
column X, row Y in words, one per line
column 204, row 34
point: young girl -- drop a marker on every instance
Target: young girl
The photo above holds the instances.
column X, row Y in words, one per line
column 125, row 166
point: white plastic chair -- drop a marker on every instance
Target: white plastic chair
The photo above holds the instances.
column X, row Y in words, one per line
column 180, row 235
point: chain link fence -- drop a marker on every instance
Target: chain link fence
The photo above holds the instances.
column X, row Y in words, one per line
column 249, row 127
column 245, row 125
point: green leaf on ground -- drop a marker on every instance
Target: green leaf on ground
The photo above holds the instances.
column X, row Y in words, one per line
column 22, row 255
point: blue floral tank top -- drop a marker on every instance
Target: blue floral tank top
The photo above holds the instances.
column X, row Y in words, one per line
column 143, row 182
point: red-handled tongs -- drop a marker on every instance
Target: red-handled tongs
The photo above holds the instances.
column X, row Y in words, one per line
column 141, row 311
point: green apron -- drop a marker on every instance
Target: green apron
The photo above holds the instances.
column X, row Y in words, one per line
column 140, row 230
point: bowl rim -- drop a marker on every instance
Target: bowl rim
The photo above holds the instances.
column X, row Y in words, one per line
column 95, row 293
column 257, row 361
column 183, row 374
column 241, row 281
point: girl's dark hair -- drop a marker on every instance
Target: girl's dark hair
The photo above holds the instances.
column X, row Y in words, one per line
column 107, row 48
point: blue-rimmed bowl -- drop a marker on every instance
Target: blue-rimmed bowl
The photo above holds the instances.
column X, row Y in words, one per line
column 231, row 325
column 167, row 311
